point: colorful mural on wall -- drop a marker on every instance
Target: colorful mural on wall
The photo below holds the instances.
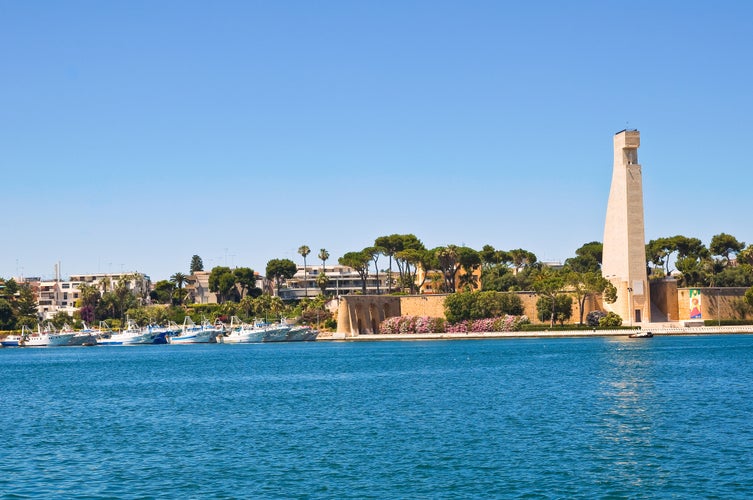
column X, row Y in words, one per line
column 695, row 303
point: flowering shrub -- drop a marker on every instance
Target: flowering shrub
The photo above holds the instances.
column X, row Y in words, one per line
column 426, row 324
column 507, row 323
column 411, row 324
column 592, row 318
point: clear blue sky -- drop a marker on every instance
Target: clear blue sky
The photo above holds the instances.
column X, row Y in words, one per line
column 136, row 134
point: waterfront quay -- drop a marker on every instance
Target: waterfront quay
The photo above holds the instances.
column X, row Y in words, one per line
column 656, row 329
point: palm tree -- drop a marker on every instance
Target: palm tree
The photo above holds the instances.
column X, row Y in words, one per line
column 304, row 251
column 323, row 256
column 179, row 279
column 322, row 281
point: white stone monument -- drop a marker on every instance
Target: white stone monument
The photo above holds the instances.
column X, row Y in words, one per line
column 624, row 257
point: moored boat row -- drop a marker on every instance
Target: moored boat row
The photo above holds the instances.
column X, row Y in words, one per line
column 190, row 333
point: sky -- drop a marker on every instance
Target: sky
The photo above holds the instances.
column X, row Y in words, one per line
column 136, row 134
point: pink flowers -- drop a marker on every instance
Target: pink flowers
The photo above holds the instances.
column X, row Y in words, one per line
column 505, row 323
column 426, row 324
column 412, row 324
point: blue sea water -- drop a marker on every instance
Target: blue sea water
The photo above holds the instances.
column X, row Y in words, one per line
column 668, row 417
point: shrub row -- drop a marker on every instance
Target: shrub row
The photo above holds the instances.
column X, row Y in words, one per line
column 426, row 324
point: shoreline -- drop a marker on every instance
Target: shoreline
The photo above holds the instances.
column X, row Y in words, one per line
column 668, row 332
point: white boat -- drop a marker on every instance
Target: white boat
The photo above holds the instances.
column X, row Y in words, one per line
column 11, row 340
column 85, row 336
column 641, row 335
column 302, row 333
column 276, row 332
column 46, row 337
column 242, row 333
column 191, row 333
column 132, row 335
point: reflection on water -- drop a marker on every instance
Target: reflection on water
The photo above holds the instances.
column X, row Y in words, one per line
column 628, row 399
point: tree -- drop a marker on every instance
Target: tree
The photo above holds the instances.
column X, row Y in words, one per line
column 280, row 269
column 11, row 288
column 374, row 253
column 305, row 251
column 179, row 279
column 589, row 284
column 658, row 252
column 359, row 261
column 748, row 298
column 489, row 257
column 588, row 258
column 323, row 256
column 559, row 308
column 724, row 245
column 745, row 256
column 463, row 306
column 7, row 316
column 521, row 258
column 549, row 284
column 221, row 280
column 26, row 307
column 245, row 278
column 162, row 292
column 611, row 320
column 593, row 249
column 196, row 264
column 452, row 259
column 393, row 244
column 469, row 260
column 412, row 259
column 322, row 281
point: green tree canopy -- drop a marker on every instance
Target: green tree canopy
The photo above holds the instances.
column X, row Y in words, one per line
column 724, row 245
column 162, row 292
column 589, row 284
column 245, row 277
column 196, row 264
column 221, row 281
column 549, row 284
column 359, row 261
column 280, row 269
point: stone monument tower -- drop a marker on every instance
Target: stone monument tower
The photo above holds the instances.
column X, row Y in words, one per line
column 624, row 257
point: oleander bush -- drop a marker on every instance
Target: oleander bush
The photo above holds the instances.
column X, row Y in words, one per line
column 412, row 324
column 426, row 324
column 507, row 323
column 592, row 318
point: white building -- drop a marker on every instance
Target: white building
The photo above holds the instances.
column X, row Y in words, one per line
column 58, row 295
column 343, row 280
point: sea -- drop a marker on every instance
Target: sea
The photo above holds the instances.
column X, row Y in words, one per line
column 667, row 417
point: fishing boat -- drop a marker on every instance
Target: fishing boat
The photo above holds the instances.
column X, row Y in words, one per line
column 242, row 333
column 131, row 335
column 275, row 332
column 191, row 333
column 300, row 333
column 85, row 336
column 11, row 340
column 46, row 337
column 161, row 333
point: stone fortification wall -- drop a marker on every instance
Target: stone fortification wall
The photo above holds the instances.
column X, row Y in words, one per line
column 423, row 305
column 664, row 299
column 716, row 303
column 362, row 314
